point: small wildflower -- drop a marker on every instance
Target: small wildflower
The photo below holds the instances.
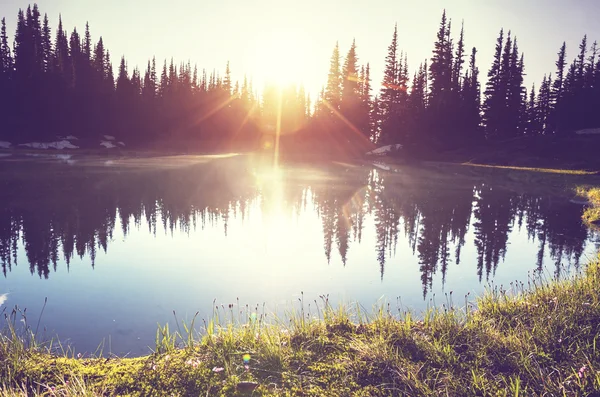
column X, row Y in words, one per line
column 582, row 371
column 153, row 367
column 559, row 340
column 247, row 367
column 218, row 369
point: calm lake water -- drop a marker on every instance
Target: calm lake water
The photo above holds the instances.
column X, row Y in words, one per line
column 117, row 245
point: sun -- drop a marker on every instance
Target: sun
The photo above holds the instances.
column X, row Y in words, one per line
column 275, row 60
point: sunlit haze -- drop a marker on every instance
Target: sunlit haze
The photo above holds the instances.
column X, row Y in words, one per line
column 288, row 41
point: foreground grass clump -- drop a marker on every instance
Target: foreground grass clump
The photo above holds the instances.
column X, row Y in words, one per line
column 536, row 339
column 591, row 214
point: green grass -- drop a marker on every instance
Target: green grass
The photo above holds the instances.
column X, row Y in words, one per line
column 539, row 338
column 535, row 169
column 591, row 215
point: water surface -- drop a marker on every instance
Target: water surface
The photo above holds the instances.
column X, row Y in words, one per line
column 117, row 245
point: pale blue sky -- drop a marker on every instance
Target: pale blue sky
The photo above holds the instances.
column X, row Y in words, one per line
column 252, row 34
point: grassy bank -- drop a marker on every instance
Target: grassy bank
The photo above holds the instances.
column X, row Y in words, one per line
column 540, row 338
column 591, row 214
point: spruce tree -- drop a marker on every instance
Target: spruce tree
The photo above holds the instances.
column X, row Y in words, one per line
column 561, row 63
column 164, row 81
column 442, row 101
column 46, row 45
column 581, row 62
column 459, row 59
column 333, row 89
column 388, row 100
column 557, row 116
column 472, row 99
column 227, row 80
column 6, row 61
column 533, row 127
column 110, row 79
column 366, row 105
column 441, row 66
column 99, row 59
column 543, row 106
column 87, row 43
column 149, row 89
column 350, row 105
column 123, row 82
column 494, row 92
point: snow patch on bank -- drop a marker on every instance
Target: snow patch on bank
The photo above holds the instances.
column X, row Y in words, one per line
column 589, row 131
column 5, row 145
column 64, row 144
column 381, row 151
column 108, row 144
column 382, row 166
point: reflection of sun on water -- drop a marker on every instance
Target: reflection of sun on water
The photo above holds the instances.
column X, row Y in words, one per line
column 270, row 182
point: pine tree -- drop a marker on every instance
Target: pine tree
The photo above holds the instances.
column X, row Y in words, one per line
column 557, row 86
column 442, row 98
column 227, row 80
column 472, row 99
column 195, row 79
column 515, row 93
column 123, row 82
column 21, row 46
column 543, row 107
column 365, row 100
column 333, row 90
column 149, row 88
column 494, row 92
column 557, row 115
column 46, row 45
column 389, row 98
column 164, row 81
column 459, row 59
column 581, row 62
column 350, row 105
column 35, row 30
column 62, row 58
column 98, row 59
column 87, row 43
column 110, row 78
column 533, row 127
column 6, row 61
column 136, row 82
column 441, row 63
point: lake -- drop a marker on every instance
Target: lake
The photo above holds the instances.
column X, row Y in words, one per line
column 117, row 245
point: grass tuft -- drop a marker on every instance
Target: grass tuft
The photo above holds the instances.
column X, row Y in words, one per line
column 591, row 215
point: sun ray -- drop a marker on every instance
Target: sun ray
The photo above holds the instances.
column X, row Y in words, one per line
column 215, row 109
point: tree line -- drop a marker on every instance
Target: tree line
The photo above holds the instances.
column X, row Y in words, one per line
column 65, row 83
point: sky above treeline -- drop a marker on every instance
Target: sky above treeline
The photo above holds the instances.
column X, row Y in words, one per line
column 291, row 41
